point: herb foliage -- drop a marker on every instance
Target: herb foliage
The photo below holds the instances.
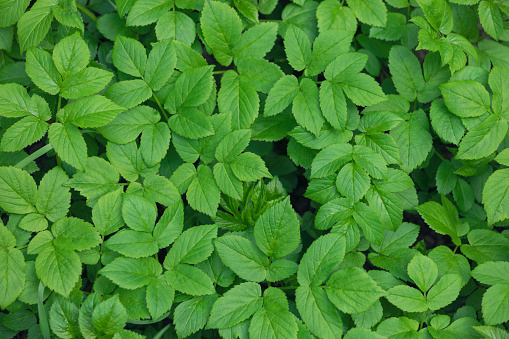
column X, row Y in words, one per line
column 254, row 169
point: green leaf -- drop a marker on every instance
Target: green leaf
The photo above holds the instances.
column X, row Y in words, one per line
column 176, row 25
column 259, row 73
column 249, row 167
column 189, row 280
column 191, row 123
column 306, row 107
column 92, row 111
column 362, row 89
column 490, row 18
column 232, row 145
column 499, row 84
column 277, row 230
column 495, row 304
column 34, row 25
column 274, row 320
column 192, row 315
column 192, row 247
column 222, row 29
column 447, row 125
column 352, row 181
column 297, row 48
column 145, row 12
column 75, row 234
column 129, row 124
column 450, row 262
column 11, row 11
column 12, row 268
column 441, row 219
column 71, row 55
column 110, row 316
column 129, row 56
column 14, row 101
column 439, row 15
column 496, row 196
column 401, row 326
column 86, row 82
column 242, row 257
column 445, row 291
column 63, row 319
column 240, row 98
column 333, row 104
column 407, row 299
column 371, row 12
column 159, row 297
column 236, row 305
column 330, row 159
column 317, row 312
column 192, row 88
column 203, row 194
column 332, row 15
column 227, row 182
column 155, row 142
column 423, row 271
column 486, row 246
column 257, row 41
column 98, row 179
column 129, row 93
column 321, row 257
column 107, row 213
column 58, row 268
column 326, row 47
column 406, row 72
column 161, row 61
column 18, row 191
column 69, row 144
column 139, row 213
column 466, row 98
column 483, row 139
column 281, row 95
column 133, row 244
column 352, row 290
column 23, row 133
column 42, row 70
column 492, row 273
column 414, row 140
column 248, row 9
column 132, row 273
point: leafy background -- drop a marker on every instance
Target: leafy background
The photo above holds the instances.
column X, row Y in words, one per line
column 263, row 169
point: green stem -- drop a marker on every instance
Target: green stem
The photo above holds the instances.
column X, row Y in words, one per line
column 22, row 247
column 288, row 287
column 160, row 334
column 439, row 155
column 218, row 72
column 148, row 322
column 41, row 151
column 163, row 112
column 87, row 12
column 43, row 317
column 422, row 320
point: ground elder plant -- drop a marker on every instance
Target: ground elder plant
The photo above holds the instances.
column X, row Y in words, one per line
column 254, row 169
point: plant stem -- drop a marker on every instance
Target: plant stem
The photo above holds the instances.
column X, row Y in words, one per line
column 438, row 154
column 148, row 322
column 422, row 320
column 161, row 332
column 43, row 317
column 163, row 112
column 41, row 151
column 87, row 12
column 288, row 287
column 218, row 72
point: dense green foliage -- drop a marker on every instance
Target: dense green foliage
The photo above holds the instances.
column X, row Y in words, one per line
column 254, row 169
